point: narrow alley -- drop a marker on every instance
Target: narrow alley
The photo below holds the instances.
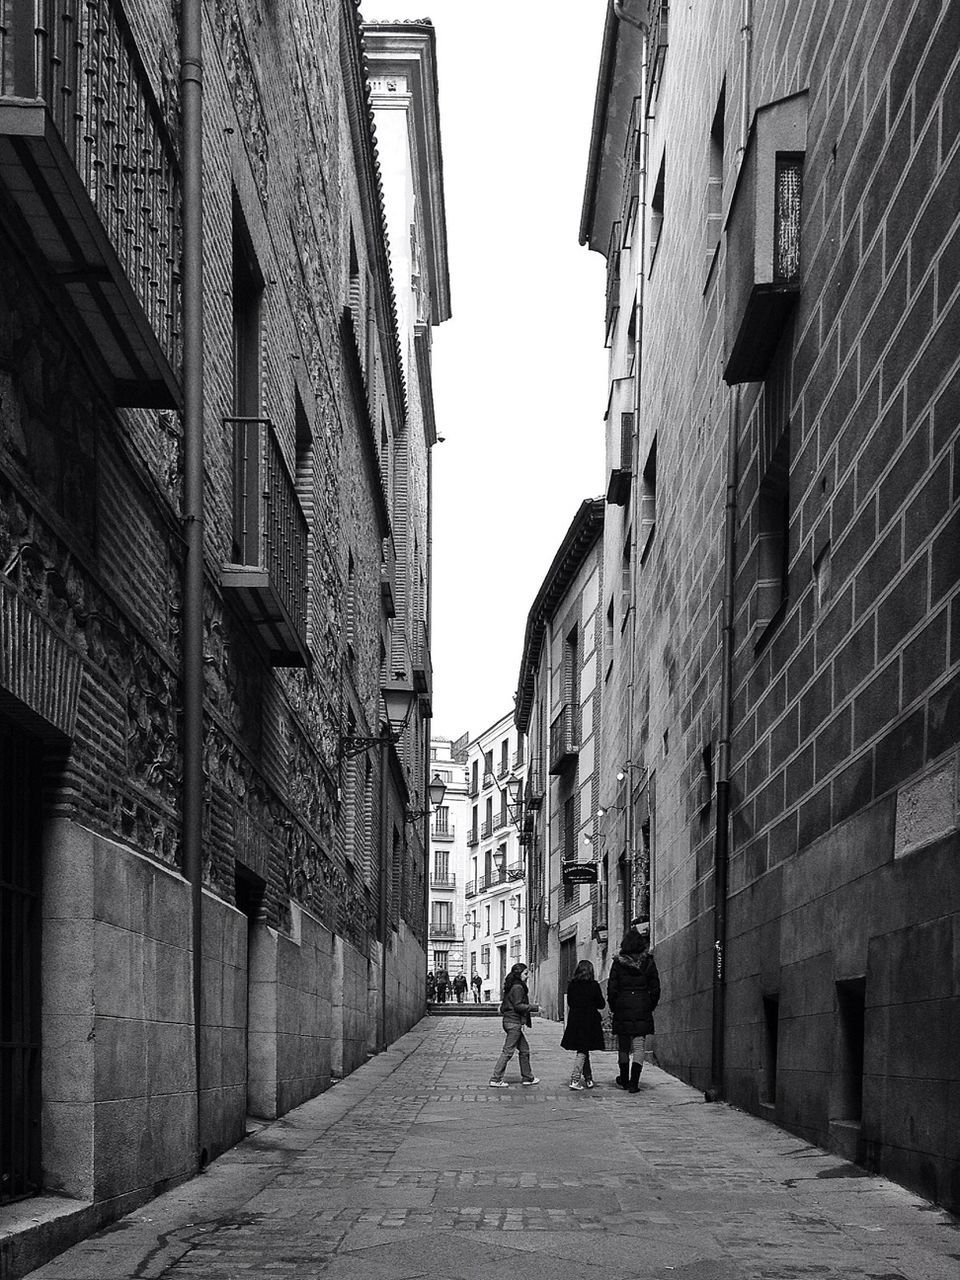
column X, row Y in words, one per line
column 414, row 1167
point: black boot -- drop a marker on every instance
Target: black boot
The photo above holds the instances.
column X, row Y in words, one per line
column 623, row 1079
column 634, row 1085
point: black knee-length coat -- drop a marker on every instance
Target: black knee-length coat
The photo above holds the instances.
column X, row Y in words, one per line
column 633, row 990
column 583, row 1031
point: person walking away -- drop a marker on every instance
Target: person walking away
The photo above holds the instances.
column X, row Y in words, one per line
column 476, row 982
column 515, row 1008
column 583, row 1031
column 633, row 991
column 443, row 981
column 431, row 986
column 460, row 987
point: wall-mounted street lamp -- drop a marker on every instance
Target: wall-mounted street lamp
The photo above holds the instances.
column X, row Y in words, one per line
column 399, row 700
column 435, row 793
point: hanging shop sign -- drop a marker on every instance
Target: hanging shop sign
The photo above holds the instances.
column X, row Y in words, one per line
column 579, row 873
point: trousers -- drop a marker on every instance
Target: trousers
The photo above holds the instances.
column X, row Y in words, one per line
column 514, row 1041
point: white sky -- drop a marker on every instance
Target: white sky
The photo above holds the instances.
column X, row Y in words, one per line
column 520, row 369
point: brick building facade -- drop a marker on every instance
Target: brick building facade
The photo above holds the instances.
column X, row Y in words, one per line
column 773, row 187
column 317, row 427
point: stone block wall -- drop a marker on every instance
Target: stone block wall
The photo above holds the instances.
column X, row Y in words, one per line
column 846, row 710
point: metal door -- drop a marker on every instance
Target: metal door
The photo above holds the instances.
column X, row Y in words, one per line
column 21, row 773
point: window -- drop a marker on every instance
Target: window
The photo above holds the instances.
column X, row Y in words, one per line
column 503, row 915
column 608, row 640
column 474, row 786
column 441, row 821
column 648, row 501
column 504, row 757
column 247, row 300
column 487, row 767
column 485, row 960
column 626, row 579
column 441, row 865
column 440, row 960
column 656, row 212
column 486, row 920
column 569, row 838
column 773, row 541
column 350, row 606
column 713, row 209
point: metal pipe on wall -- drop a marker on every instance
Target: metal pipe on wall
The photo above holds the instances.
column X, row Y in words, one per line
column 722, row 838
column 191, row 105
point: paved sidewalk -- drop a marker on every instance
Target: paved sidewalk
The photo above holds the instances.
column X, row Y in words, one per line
column 414, row 1167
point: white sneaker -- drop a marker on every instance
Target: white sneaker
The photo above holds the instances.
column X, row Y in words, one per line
column 499, row 1084
column 535, row 1080
column 588, row 1084
column 575, row 1084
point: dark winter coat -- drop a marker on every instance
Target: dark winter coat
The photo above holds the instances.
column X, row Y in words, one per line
column 515, row 1005
column 633, row 990
column 583, row 1031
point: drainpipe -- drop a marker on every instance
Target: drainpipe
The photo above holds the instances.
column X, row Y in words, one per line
column 721, row 844
column 634, row 755
column 191, row 106
column 384, row 921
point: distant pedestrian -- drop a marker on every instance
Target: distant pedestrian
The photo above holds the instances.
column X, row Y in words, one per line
column 516, row 1010
column 476, row 982
column 584, row 1030
column 460, row 987
column 431, row 986
column 633, row 990
column 443, row 982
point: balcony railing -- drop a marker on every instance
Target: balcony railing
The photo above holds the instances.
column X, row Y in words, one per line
column 492, row 878
column 487, row 778
column 501, row 820
column 443, row 833
column 388, row 578
column 470, row 891
column 443, row 929
column 85, row 153
column 564, row 732
column 486, row 829
column 448, row 881
column 515, row 871
column 271, row 538
column 473, row 836
column 518, row 758
column 533, row 797
column 422, row 664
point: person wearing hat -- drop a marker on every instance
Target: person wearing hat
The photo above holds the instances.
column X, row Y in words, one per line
column 516, row 1010
column 633, row 991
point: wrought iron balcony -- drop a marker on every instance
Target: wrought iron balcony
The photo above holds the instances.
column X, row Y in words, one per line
column 85, row 154
column 443, row 929
column 270, row 579
column 488, row 778
column 470, row 891
column 388, row 578
column 533, row 797
column 473, row 836
column 422, row 664
column 486, row 829
column 442, row 833
column 564, row 746
column 515, row 871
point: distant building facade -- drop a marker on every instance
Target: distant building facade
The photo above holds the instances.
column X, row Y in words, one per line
column 558, row 712
column 448, row 857
column 317, row 426
column 496, row 886
column 774, row 191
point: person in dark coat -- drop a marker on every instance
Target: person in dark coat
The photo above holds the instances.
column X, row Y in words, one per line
column 633, row 991
column 583, row 1031
column 431, row 986
column 516, row 1010
column 460, row 987
column 476, row 982
column 443, row 981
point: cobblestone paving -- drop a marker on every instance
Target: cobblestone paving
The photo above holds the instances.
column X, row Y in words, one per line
column 413, row 1167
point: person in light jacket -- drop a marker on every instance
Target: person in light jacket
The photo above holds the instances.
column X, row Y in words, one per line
column 633, row 992
column 516, row 1010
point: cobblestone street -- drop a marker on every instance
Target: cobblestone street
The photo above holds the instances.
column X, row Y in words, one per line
column 414, row 1167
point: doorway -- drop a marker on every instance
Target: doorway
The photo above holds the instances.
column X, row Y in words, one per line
column 568, row 963
column 21, row 772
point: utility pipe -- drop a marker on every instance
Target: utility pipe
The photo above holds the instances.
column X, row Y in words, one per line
column 633, row 755
column 191, row 108
column 722, row 839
